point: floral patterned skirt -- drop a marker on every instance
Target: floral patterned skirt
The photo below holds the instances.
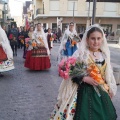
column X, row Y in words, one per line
column 85, row 105
column 6, row 65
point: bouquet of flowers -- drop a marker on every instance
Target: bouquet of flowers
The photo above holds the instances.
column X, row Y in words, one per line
column 21, row 38
column 52, row 38
column 31, row 42
column 74, row 39
column 71, row 68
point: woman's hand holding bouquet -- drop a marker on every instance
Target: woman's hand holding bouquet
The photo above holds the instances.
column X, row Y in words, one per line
column 80, row 72
column 90, row 80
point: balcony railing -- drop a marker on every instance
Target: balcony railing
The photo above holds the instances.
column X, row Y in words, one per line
column 39, row 11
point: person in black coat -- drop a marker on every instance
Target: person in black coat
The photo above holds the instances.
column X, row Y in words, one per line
column 13, row 44
column 13, row 31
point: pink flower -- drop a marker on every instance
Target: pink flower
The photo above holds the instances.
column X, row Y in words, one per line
column 72, row 60
column 67, row 65
column 62, row 63
column 64, row 67
column 61, row 73
column 66, row 75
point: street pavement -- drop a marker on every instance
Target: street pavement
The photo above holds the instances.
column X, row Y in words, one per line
column 31, row 95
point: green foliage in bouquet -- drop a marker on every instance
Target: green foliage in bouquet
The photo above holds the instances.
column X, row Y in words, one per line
column 78, row 71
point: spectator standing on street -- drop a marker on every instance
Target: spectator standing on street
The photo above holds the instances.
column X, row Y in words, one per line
column 59, row 34
column 38, row 57
column 20, row 44
column 12, row 32
column 45, row 30
column 6, row 54
column 86, row 98
column 14, row 45
column 81, row 35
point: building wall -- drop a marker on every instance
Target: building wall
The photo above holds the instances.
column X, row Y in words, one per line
column 107, row 14
column 81, row 8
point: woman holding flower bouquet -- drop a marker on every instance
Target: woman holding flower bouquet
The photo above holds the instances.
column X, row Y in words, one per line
column 68, row 45
column 38, row 55
column 89, row 84
column 50, row 39
column 25, row 35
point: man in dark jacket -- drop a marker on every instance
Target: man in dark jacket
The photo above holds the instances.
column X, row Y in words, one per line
column 13, row 31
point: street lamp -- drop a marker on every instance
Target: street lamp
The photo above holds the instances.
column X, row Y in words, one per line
column 88, row 18
column 43, row 7
column 73, row 10
column 94, row 11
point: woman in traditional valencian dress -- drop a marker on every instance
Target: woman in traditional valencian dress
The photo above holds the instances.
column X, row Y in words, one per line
column 6, row 54
column 50, row 39
column 29, row 39
column 66, row 48
column 87, row 100
column 25, row 35
column 37, row 57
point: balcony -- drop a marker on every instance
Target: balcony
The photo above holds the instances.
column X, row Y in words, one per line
column 39, row 11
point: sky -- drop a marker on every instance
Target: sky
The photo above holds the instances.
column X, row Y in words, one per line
column 16, row 7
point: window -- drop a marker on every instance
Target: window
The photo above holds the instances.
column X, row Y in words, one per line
column 54, row 5
column 110, row 7
column 64, row 26
column 91, row 6
column 80, row 28
column 118, row 26
column 44, row 25
column 107, row 27
column 54, row 27
column 72, row 3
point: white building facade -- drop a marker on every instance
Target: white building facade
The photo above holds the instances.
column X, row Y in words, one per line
column 58, row 13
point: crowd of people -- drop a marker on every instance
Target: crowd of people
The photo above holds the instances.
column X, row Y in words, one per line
column 82, row 100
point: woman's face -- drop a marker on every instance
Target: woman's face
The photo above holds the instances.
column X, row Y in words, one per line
column 95, row 41
column 39, row 27
column 49, row 30
column 71, row 27
column 31, row 29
